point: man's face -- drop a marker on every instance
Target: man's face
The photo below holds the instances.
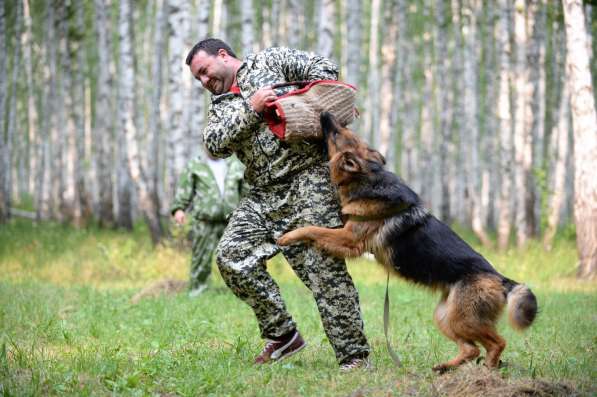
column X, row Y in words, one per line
column 214, row 71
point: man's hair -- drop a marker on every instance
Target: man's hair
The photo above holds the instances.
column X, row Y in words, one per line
column 211, row 46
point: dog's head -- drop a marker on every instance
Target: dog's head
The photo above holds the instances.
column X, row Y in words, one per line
column 350, row 157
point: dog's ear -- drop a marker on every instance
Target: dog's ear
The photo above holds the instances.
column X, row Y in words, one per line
column 377, row 156
column 350, row 162
column 329, row 124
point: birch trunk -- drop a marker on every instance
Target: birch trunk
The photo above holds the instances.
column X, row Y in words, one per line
column 353, row 42
column 388, row 76
column 504, row 126
column 456, row 175
column 442, row 66
column 4, row 161
column 371, row 118
column 584, row 122
column 326, row 28
column 103, row 128
column 32, row 120
column 124, row 213
column 47, row 201
column 155, row 121
column 426, row 142
column 523, row 145
column 471, row 119
column 177, row 130
column 561, row 139
column 126, row 109
column 67, row 130
column 247, row 40
column 536, row 111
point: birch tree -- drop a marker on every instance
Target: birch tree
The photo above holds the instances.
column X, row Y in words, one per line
column 442, row 65
column 155, row 121
column 584, row 122
column 247, row 40
column 504, row 126
column 561, row 149
column 353, row 40
column 471, row 118
column 371, row 118
column 388, row 76
column 102, row 137
column 126, row 109
column 32, row 118
column 179, row 28
column 4, row 161
column 325, row 28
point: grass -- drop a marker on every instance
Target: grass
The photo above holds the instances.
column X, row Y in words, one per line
column 67, row 326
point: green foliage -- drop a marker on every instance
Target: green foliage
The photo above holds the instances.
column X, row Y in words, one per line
column 67, row 326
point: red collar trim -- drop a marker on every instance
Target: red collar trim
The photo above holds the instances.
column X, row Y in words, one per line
column 234, row 89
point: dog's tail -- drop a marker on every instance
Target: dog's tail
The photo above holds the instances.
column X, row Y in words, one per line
column 522, row 305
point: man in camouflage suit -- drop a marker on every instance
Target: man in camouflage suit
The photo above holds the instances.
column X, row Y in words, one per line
column 289, row 187
column 211, row 189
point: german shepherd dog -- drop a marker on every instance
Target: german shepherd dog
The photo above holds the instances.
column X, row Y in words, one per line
column 385, row 217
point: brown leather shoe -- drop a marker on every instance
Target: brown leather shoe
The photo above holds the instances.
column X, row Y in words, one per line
column 276, row 350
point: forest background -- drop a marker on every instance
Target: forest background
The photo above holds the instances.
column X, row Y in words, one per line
column 469, row 100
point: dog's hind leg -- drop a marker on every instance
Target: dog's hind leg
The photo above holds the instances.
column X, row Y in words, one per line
column 493, row 343
column 444, row 318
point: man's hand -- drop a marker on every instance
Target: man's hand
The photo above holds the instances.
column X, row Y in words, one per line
column 261, row 97
column 179, row 217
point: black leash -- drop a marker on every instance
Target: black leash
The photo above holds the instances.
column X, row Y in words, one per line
column 386, row 322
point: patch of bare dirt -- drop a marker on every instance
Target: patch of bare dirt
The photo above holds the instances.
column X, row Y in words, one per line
column 477, row 380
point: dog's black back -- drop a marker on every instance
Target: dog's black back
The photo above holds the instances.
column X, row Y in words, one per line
column 423, row 249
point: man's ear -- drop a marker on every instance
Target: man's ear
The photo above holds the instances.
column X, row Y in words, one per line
column 350, row 162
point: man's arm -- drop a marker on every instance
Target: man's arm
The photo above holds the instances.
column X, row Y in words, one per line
column 229, row 123
column 298, row 65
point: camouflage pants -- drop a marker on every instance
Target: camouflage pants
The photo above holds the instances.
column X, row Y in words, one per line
column 205, row 236
column 249, row 240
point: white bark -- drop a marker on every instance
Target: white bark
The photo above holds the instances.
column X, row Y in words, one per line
column 471, row 120
column 179, row 86
column 442, row 66
column 103, row 128
column 504, row 126
column 126, row 115
column 353, row 42
column 561, row 132
column 295, row 21
column 370, row 117
column 4, row 160
column 247, row 40
column 31, row 103
column 155, row 121
column 584, row 122
column 326, row 28
column 388, row 76
column 522, row 132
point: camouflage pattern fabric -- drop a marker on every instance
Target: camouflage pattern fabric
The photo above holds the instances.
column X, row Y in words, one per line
column 198, row 191
column 289, row 187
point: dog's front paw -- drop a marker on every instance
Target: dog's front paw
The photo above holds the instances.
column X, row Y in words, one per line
column 286, row 239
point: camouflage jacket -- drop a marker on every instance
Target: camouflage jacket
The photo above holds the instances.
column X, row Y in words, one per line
column 234, row 127
column 197, row 189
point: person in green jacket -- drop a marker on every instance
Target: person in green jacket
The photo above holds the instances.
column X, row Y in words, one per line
column 208, row 191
